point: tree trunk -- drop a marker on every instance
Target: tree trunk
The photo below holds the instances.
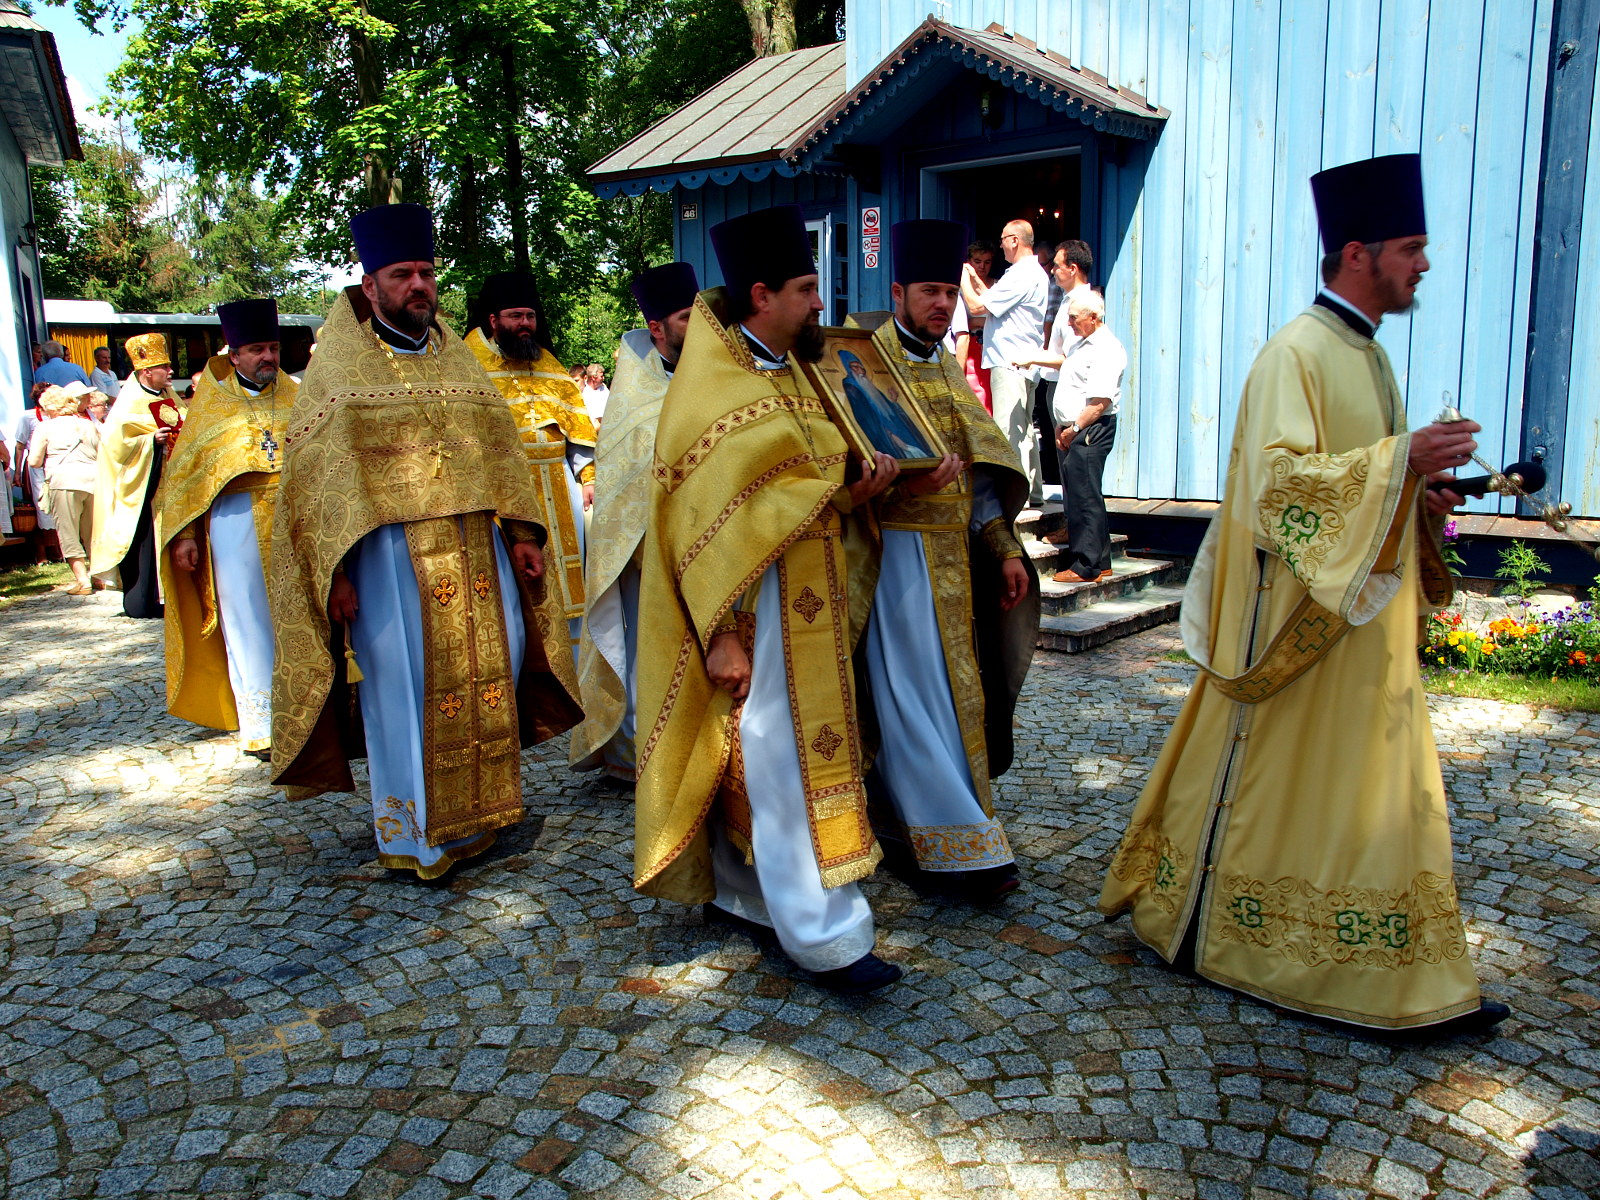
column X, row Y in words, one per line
column 383, row 185
column 772, row 27
column 516, row 208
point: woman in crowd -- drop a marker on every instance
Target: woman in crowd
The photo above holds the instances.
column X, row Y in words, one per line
column 64, row 444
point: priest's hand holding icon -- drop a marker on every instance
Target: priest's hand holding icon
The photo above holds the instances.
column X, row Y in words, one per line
column 937, row 479
column 876, row 476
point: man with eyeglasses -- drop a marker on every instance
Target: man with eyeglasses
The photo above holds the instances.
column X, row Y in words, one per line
column 1015, row 328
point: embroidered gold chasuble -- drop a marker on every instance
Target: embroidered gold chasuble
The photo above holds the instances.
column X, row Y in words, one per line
column 1306, row 834
column 749, row 473
column 623, row 486
column 231, row 442
column 550, row 415
column 987, row 653
column 127, row 454
column 423, row 441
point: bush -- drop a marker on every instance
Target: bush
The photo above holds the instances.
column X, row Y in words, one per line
column 1560, row 645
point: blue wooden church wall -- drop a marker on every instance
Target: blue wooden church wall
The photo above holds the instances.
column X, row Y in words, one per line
column 1206, row 235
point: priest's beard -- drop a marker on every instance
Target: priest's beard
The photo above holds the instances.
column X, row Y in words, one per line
column 262, row 379
column 414, row 319
column 808, row 343
column 523, row 347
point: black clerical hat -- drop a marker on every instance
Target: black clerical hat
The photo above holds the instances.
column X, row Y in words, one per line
column 766, row 246
column 247, row 321
column 1369, row 201
column 508, row 289
column 664, row 290
column 392, row 233
column 928, row 251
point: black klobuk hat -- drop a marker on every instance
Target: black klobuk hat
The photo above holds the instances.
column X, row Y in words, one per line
column 247, row 321
column 393, row 233
column 1369, row 201
column 768, row 246
column 664, row 290
column 928, row 251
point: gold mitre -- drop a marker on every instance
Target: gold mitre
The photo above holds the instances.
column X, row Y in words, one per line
column 148, row 350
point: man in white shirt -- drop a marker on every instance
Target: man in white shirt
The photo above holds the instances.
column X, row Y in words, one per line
column 1014, row 330
column 102, row 378
column 1084, row 405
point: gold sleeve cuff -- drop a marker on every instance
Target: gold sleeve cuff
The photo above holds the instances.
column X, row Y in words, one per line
column 727, row 624
column 842, row 501
column 521, row 532
column 192, row 532
column 587, row 474
column 1001, row 539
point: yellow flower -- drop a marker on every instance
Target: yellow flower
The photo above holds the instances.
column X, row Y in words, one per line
column 1489, row 647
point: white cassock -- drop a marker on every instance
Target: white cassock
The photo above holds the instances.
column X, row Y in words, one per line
column 246, row 618
column 578, row 457
column 921, row 759
column 820, row 928
column 386, row 636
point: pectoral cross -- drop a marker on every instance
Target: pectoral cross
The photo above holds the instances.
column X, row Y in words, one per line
column 270, row 445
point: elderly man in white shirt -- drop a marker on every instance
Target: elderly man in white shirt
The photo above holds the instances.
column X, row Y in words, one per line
column 1014, row 330
column 1084, row 404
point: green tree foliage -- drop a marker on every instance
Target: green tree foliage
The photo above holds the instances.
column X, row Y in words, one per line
column 243, row 245
column 488, row 111
column 102, row 235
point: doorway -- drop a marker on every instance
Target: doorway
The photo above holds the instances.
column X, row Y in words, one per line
column 1047, row 192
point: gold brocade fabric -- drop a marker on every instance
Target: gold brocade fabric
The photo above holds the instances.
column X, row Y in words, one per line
column 127, row 451
column 984, row 687
column 221, row 450
column 374, row 440
column 622, row 490
column 1307, row 832
column 550, row 415
column 469, row 727
column 747, row 467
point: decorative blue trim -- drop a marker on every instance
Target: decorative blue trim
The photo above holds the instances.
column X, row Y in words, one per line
column 893, row 77
column 754, row 172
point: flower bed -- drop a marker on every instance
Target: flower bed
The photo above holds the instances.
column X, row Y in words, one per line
column 1564, row 644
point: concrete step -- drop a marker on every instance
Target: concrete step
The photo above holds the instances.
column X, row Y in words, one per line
column 1107, row 620
column 1128, row 575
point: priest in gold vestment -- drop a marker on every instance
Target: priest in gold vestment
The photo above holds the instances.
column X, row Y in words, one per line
column 214, row 531
column 608, row 654
column 132, row 446
column 1293, row 841
column 956, row 612
column 405, row 560
column 512, row 344
column 750, row 797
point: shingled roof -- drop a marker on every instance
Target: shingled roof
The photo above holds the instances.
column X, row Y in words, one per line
column 783, row 114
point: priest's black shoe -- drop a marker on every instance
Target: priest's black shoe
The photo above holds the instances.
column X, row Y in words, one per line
column 754, row 930
column 867, row 974
column 988, row 884
column 1489, row 1014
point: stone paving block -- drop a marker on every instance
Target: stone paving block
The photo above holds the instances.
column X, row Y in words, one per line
column 210, row 990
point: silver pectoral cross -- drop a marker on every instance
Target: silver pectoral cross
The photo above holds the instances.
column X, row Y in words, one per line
column 270, row 445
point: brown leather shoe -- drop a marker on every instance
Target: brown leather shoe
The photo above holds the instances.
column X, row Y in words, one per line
column 1058, row 538
column 1074, row 577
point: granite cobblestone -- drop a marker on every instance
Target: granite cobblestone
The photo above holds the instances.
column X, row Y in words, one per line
column 210, row 991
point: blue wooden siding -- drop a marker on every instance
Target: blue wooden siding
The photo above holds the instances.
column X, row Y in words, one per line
column 1210, row 234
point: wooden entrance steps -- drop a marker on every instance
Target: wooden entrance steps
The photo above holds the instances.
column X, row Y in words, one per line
column 1139, row 594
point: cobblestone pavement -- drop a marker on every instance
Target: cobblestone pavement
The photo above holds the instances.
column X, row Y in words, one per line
column 208, row 990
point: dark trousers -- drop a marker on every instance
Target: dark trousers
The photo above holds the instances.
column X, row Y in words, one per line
column 141, row 588
column 1082, row 466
